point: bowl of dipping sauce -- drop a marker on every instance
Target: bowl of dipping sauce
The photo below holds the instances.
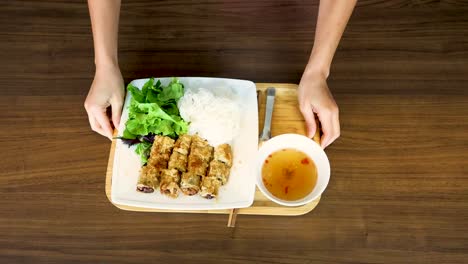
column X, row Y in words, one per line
column 292, row 170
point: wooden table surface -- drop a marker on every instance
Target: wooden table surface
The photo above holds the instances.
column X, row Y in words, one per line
column 399, row 186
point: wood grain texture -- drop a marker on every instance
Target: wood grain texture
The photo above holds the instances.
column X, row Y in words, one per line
column 286, row 119
column 399, row 186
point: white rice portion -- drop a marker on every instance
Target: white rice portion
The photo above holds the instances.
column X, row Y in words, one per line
column 213, row 114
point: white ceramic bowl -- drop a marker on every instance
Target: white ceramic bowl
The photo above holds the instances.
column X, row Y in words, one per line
column 301, row 143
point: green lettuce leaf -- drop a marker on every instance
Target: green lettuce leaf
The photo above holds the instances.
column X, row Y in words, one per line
column 146, row 87
column 143, row 149
column 137, row 94
column 153, row 110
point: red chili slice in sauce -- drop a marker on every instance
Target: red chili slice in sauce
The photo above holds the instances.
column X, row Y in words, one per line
column 305, row 161
column 286, row 189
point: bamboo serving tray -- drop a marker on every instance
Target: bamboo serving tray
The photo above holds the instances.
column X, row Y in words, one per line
column 286, row 119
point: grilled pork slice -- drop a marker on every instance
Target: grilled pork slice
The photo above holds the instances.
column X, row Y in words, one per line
column 190, row 183
column 199, row 141
column 201, row 149
column 162, row 145
column 209, row 187
column 148, row 180
column 197, row 165
column 160, row 153
column 159, row 162
column 219, row 170
column 178, row 162
column 223, row 153
column 182, row 145
column 204, row 153
column 170, row 182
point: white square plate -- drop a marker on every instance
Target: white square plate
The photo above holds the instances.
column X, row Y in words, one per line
column 237, row 193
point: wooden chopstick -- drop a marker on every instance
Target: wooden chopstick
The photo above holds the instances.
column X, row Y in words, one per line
column 232, row 218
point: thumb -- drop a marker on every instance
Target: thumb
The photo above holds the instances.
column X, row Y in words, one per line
column 116, row 106
column 309, row 119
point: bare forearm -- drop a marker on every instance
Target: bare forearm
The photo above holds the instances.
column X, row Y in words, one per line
column 105, row 23
column 332, row 19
